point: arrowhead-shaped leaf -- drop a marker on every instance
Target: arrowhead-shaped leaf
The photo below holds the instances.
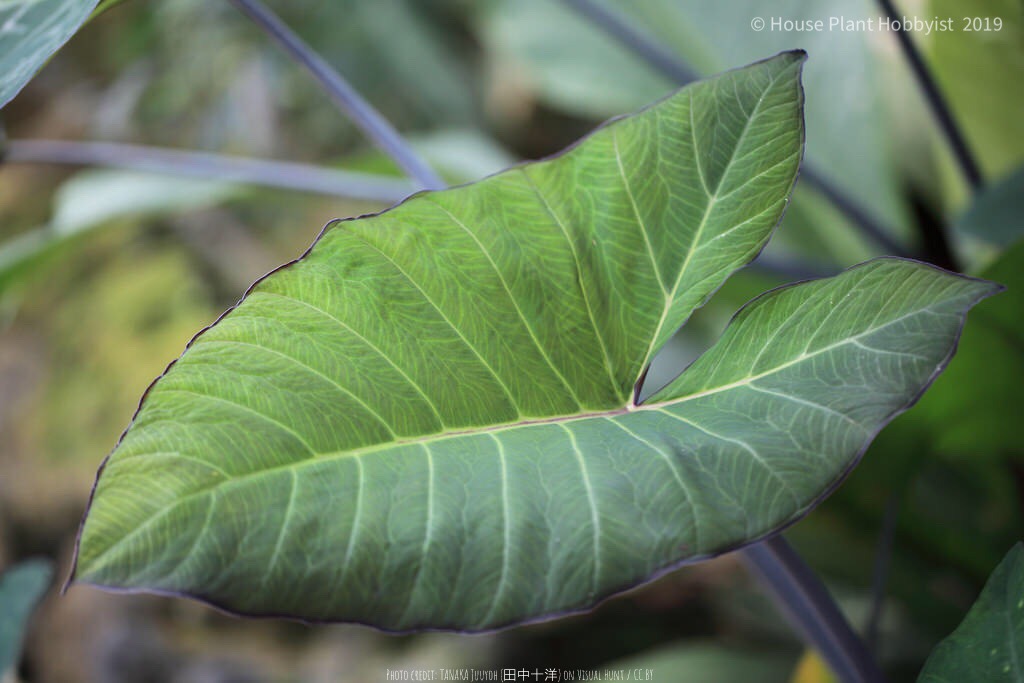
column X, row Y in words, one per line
column 989, row 643
column 30, row 32
column 428, row 419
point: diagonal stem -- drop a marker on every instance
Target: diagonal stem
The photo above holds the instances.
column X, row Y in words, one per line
column 362, row 113
column 389, row 140
column 806, row 603
column 675, row 69
column 939, row 107
column 653, row 52
column 792, row 269
column 853, row 211
column 279, row 174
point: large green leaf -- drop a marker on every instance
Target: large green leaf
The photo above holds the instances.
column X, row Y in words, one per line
column 30, row 32
column 428, row 419
column 21, row 587
column 91, row 199
column 989, row 643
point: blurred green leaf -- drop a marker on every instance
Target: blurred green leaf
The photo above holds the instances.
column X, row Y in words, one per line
column 981, row 74
column 20, row 253
column 21, row 588
column 91, row 199
column 953, row 524
column 570, row 64
column 30, row 32
column 989, row 644
column 996, row 214
column 462, row 154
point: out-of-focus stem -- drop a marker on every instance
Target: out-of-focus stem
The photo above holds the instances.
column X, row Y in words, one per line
column 278, row 174
column 805, row 601
column 361, row 112
column 939, row 107
column 880, row 573
column 653, row 52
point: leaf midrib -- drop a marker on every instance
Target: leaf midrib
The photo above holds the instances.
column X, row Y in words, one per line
column 561, row 419
column 712, row 200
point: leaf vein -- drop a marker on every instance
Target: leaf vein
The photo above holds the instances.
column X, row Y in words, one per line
column 508, row 291
column 416, row 387
column 506, row 532
column 594, row 516
column 580, row 280
column 300, row 363
column 454, row 328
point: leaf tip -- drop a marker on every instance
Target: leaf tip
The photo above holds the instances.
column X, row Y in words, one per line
column 981, row 289
column 992, row 288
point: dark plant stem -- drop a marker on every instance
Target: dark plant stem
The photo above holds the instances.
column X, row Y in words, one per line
column 666, row 62
column 391, row 142
column 805, row 601
column 936, row 101
column 362, row 113
column 853, row 211
column 1016, row 469
column 880, row 573
column 933, row 231
column 791, row 269
column 278, row 174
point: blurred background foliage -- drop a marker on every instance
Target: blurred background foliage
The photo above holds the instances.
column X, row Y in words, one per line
column 106, row 274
